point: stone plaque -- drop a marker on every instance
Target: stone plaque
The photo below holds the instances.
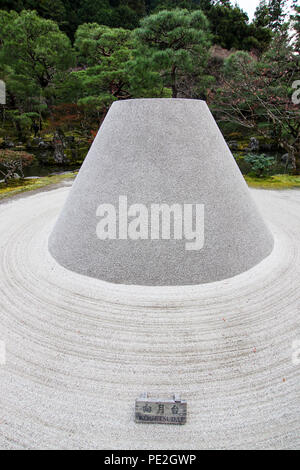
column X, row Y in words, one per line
column 153, row 410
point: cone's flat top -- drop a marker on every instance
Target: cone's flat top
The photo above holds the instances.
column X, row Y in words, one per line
column 161, row 151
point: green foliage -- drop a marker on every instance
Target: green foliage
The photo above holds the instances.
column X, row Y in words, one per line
column 173, row 4
column 260, row 164
column 173, row 43
column 69, row 14
column 104, row 53
column 34, row 55
column 35, row 48
column 14, row 187
column 54, row 83
column 235, row 64
column 296, row 24
column 256, row 94
column 229, row 24
column 262, row 17
column 98, row 45
column 271, row 14
column 119, row 13
column 277, row 13
column 12, row 163
column 23, row 121
column 231, row 30
column 274, row 182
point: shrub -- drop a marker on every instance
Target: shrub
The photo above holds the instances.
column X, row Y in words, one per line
column 12, row 163
column 260, row 164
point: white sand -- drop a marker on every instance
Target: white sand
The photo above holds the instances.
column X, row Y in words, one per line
column 79, row 351
column 158, row 151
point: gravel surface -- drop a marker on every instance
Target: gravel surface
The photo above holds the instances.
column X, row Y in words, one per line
column 156, row 151
column 79, row 350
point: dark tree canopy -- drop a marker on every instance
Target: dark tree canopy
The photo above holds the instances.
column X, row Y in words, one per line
column 229, row 24
column 69, row 14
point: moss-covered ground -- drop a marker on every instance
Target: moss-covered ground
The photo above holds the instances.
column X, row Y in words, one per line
column 21, row 186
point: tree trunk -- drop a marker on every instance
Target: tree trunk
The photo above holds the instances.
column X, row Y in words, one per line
column 59, row 145
column 19, row 130
column 297, row 163
column 295, row 157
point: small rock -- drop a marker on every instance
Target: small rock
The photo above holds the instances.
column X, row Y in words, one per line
column 254, row 144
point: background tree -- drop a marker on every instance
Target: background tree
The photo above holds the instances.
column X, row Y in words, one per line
column 158, row 5
column 228, row 23
column 278, row 13
column 256, row 94
column 33, row 54
column 260, row 164
column 59, row 11
column 174, row 43
column 231, row 29
column 13, row 162
column 55, row 88
column 272, row 14
column 103, row 54
column 35, row 49
column 262, row 15
column 296, row 24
